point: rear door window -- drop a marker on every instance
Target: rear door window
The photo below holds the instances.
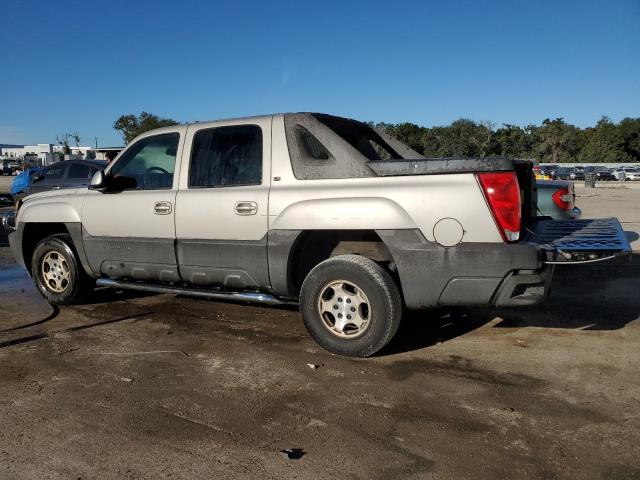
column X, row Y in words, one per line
column 79, row 171
column 226, row 156
column 54, row 172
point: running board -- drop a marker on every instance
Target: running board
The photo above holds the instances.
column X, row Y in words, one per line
column 253, row 297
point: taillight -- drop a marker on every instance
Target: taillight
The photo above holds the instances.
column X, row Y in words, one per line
column 563, row 198
column 503, row 196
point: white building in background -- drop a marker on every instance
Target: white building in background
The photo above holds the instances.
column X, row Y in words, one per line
column 44, row 154
column 20, row 152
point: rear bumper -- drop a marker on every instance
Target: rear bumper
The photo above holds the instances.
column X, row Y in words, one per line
column 524, row 287
column 517, row 287
column 500, row 274
column 469, row 274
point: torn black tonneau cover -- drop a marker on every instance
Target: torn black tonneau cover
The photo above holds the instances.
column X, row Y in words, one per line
column 579, row 241
column 434, row 166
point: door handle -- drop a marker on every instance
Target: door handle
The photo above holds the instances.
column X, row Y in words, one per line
column 162, row 208
column 246, row 208
column 55, row 187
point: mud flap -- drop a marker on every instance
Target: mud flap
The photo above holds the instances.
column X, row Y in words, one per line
column 580, row 241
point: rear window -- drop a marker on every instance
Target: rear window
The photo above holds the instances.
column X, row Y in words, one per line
column 79, row 171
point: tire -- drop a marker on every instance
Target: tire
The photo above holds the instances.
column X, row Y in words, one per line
column 356, row 287
column 62, row 281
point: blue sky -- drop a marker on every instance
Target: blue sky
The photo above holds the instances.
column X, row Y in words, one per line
column 76, row 66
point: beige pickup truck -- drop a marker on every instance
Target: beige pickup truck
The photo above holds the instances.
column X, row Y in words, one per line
column 304, row 208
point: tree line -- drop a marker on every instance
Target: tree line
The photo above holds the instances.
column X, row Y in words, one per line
column 554, row 141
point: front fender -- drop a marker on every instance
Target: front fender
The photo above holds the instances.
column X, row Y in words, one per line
column 58, row 212
column 344, row 213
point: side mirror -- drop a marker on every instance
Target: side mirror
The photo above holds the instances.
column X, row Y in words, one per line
column 98, row 181
column 37, row 178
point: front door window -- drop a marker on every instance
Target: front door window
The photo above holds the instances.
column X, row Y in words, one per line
column 149, row 163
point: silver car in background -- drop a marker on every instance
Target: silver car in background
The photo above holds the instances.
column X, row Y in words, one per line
column 627, row 173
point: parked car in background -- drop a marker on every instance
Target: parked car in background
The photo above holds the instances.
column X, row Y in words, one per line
column 633, row 174
column 627, row 173
column 9, row 167
column 5, row 200
column 564, row 173
column 65, row 174
column 556, row 199
column 577, row 173
column 602, row 173
column 537, row 171
column 549, row 170
column 21, row 182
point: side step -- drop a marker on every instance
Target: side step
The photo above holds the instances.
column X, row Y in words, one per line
column 253, row 297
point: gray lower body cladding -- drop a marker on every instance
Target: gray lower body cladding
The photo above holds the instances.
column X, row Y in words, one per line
column 231, row 264
column 137, row 258
column 472, row 274
column 15, row 244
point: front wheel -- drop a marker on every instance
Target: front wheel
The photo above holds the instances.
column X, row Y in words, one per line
column 350, row 305
column 57, row 271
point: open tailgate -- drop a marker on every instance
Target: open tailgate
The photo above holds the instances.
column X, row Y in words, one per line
column 580, row 241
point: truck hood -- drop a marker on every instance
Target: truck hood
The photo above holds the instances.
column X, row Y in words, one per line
column 52, row 194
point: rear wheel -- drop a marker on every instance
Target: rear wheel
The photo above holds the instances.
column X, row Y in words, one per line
column 57, row 271
column 350, row 305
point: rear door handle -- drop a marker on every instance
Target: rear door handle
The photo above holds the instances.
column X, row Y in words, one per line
column 246, row 208
column 162, row 208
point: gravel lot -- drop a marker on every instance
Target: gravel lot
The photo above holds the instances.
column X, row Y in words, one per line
column 157, row 386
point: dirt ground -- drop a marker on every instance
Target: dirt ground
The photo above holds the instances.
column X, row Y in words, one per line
column 158, row 386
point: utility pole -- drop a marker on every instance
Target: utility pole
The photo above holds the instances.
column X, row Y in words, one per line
column 96, row 141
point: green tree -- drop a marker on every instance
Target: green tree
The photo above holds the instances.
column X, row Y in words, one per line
column 463, row 138
column 556, row 141
column 604, row 143
column 130, row 126
column 408, row 133
column 515, row 142
column 630, row 132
